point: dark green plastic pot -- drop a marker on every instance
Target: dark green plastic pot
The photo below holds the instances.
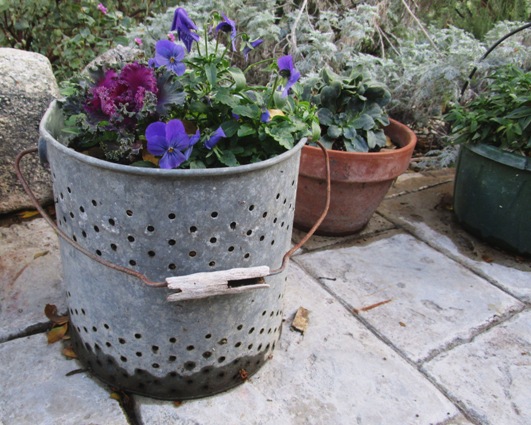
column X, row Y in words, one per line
column 492, row 196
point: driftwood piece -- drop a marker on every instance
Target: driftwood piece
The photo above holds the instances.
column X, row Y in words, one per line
column 224, row 282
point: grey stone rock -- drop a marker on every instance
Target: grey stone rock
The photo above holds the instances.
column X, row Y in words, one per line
column 27, row 86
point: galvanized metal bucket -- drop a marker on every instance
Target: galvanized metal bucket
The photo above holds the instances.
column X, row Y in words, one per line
column 170, row 223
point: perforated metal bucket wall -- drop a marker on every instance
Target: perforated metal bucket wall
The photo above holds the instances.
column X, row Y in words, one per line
column 169, row 223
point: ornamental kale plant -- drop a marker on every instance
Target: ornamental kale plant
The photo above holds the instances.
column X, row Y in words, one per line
column 187, row 106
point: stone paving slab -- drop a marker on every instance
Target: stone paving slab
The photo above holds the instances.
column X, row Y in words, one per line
column 412, row 181
column 491, row 376
column 417, row 298
column 30, row 276
column 35, row 390
column 336, row 373
column 427, row 215
column 377, row 224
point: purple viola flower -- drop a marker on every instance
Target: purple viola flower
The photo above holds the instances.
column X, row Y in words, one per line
column 215, row 138
column 228, row 26
column 288, row 71
column 171, row 142
column 170, row 55
column 266, row 116
column 184, row 26
column 251, row 46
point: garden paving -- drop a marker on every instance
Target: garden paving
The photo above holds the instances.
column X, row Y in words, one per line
column 412, row 321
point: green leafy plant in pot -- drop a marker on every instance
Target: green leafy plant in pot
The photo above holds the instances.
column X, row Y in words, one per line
column 492, row 190
column 367, row 150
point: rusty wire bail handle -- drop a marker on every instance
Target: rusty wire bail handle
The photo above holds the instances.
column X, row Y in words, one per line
column 212, row 283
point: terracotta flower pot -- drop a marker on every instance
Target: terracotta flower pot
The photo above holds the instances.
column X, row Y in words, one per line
column 360, row 181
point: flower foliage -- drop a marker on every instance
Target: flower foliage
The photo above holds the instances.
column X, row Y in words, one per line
column 499, row 116
column 187, row 106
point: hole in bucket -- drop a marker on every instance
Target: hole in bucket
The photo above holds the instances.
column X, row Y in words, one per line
column 171, row 216
column 151, row 253
column 138, row 336
column 132, row 262
column 155, row 365
column 96, row 229
column 221, row 359
column 190, row 348
column 84, row 234
column 249, row 232
column 212, row 263
column 173, row 340
column 171, row 359
column 172, row 242
column 131, row 238
column 172, row 266
column 262, row 238
column 138, row 354
column 231, row 248
column 214, row 214
column 192, row 253
column 155, row 349
column 233, row 225
column 251, row 207
column 123, row 358
column 150, row 229
column 213, row 240
column 238, row 344
column 112, row 222
column 189, row 365
column 82, row 209
column 121, row 340
column 193, row 229
column 94, row 203
column 207, row 354
column 129, row 213
column 114, row 247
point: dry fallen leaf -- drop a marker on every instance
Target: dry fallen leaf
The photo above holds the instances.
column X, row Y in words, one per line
column 69, row 352
column 57, row 333
column 116, row 396
column 177, row 403
column 40, row 254
column 51, row 313
column 402, row 324
column 300, row 322
column 28, row 214
column 244, row 374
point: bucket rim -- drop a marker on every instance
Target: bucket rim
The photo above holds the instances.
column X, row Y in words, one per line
column 157, row 172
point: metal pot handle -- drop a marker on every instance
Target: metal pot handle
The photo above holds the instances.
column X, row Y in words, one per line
column 194, row 286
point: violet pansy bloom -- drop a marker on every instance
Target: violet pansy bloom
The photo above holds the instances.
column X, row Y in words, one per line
column 171, row 142
column 288, row 71
column 170, row 55
column 266, row 116
column 251, row 46
column 184, row 26
column 215, row 138
column 228, row 26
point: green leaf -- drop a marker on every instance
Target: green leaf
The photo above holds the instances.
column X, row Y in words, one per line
column 356, row 145
column 228, row 158
column 334, row 132
column 211, row 74
column 250, row 111
column 326, row 117
column 230, row 128
column 239, row 78
column 364, row 122
column 144, row 164
column 282, row 134
column 245, row 130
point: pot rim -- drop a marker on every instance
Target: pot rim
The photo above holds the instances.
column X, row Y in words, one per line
column 496, row 154
column 388, row 153
column 53, row 114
